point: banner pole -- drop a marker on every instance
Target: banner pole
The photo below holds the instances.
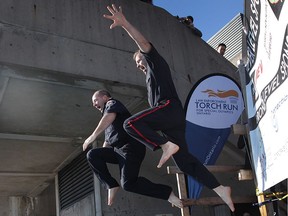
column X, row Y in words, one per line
column 260, row 197
column 262, row 208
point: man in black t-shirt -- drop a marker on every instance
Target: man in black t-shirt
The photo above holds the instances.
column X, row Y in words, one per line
column 165, row 114
column 120, row 148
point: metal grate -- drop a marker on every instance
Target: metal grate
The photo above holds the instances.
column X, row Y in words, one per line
column 75, row 181
column 231, row 35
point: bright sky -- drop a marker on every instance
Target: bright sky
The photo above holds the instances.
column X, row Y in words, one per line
column 209, row 15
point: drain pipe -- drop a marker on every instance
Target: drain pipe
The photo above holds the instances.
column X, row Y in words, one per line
column 97, row 189
column 57, row 199
column 97, row 196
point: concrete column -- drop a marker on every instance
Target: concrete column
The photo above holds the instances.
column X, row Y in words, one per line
column 57, row 198
column 97, row 188
column 97, row 196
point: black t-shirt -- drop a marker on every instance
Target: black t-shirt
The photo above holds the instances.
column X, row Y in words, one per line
column 159, row 81
column 115, row 134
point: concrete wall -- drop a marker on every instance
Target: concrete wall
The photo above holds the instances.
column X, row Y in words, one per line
column 46, row 205
column 4, row 205
column 72, row 37
column 43, row 205
column 22, row 206
column 83, row 207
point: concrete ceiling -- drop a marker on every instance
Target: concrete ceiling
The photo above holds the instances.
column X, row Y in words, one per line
column 44, row 118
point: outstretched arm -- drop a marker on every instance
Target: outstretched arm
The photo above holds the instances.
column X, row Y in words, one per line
column 105, row 121
column 119, row 19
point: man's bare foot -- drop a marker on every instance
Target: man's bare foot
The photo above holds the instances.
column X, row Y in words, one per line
column 111, row 195
column 169, row 149
column 225, row 194
column 175, row 201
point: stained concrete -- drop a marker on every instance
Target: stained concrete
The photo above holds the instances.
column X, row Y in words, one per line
column 53, row 56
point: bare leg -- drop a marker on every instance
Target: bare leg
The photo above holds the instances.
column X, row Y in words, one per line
column 225, row 194
column 174, row 200
column 169, row 149
column 111, row 195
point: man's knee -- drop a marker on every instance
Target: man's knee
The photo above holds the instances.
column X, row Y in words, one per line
column 127, row 125
column 91, row 154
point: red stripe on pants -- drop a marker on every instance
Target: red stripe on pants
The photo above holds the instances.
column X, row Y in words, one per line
column 143, row 115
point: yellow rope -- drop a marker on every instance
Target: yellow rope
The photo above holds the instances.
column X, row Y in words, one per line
column 272, row 194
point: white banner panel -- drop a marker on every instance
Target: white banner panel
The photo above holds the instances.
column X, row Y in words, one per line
column 267, row 88
column 216, row 102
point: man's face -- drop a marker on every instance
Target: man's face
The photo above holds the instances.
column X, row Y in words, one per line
column 141, row 62
column 188, row 21
column 221, row 50
column 98, row 101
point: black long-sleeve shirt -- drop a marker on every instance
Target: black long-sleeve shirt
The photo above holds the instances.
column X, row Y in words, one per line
column 159, row 81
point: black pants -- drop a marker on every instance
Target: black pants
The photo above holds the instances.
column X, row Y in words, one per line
column 129, row 164
column 169, row 118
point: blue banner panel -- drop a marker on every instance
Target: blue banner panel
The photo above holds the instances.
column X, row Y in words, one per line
column 206, row 146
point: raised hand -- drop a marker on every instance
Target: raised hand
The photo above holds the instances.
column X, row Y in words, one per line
column 119, row 19
column 116, row 16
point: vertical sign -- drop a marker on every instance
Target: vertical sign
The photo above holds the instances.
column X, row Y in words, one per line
column 213, row 105
column 266, row 65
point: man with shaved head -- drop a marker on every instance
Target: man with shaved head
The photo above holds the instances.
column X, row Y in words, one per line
column 119, row 148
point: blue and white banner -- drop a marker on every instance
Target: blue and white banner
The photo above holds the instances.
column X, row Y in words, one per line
column 266, row 64
column 213, row 105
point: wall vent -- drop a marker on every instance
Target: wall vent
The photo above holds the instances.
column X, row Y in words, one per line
column 75, row 181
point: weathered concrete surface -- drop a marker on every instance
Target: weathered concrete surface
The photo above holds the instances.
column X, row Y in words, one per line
column 53, row 55
column 83, row 207
column 74, row 38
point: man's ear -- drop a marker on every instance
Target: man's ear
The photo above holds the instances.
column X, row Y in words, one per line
column 105, row 97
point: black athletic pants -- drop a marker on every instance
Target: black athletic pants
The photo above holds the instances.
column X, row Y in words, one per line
column 169, row 118
column 129, row 164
